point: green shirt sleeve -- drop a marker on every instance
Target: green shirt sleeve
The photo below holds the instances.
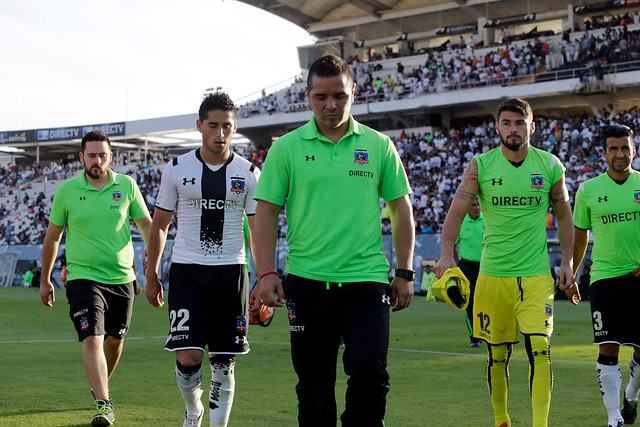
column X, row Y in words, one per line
column 394, row 183
column 138, row 207
column 581, row 213
column 273, row 186
column 58, row 214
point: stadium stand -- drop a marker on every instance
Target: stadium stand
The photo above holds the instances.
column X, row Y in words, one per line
column 588, row 55
column 586, row 50
column 434, row 164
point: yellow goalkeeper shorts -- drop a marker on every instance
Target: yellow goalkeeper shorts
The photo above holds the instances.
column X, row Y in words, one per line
column 504, row 303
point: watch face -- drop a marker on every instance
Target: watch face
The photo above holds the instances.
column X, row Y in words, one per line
column 406, row 274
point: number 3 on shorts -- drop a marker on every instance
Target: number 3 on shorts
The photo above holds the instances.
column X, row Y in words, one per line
column 182, row 316
column 597, row 320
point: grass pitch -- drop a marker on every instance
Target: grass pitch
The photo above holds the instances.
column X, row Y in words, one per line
column 436, row 379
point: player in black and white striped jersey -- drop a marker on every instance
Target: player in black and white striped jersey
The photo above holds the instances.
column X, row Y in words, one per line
column 210, row 189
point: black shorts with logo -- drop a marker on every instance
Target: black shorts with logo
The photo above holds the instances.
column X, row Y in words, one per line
column 208, row 305
column 100, row 309
column 614, row 310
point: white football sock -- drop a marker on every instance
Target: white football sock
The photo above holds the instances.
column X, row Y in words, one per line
column 631, row 392
column 223, row 385
column 189, row 379
column 610, row 381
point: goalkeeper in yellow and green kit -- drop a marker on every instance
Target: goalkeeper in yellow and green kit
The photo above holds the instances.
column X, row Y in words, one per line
column 514, row 183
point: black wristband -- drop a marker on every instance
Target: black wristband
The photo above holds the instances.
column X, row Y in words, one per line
column 409, row 275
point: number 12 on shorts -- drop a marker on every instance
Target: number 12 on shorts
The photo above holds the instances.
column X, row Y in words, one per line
column 484, row 322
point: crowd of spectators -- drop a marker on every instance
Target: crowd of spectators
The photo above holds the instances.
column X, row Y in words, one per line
column 458, row 66
column 434, row 163
column 25, row 202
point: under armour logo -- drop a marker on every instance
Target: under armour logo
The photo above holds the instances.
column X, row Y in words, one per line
column 241, row 339
column 495, row 181
column 386, row 299
column 602, row 199
column 185, row 180
column 312, row 158
column 83, row 198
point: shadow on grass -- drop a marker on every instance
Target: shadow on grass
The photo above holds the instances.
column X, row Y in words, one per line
column 39, row 412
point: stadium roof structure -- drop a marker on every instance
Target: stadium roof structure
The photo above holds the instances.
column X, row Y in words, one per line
column 377, row 19
column 349, row 28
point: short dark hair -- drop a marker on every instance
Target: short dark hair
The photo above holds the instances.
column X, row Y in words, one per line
column 95, row 135
column 616, row 131
column 329, row 66
column 216, row 101
column 516, row 105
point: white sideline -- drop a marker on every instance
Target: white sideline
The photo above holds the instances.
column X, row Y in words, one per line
column 405, row 350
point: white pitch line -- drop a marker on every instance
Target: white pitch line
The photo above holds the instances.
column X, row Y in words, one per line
column 404, row 350
column 75, row 340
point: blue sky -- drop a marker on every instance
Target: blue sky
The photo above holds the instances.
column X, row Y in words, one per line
column 76, row 62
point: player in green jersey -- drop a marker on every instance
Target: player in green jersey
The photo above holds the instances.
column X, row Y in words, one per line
column 95, row 207
column 332, row 172
column 515, row 184
column 609, row 204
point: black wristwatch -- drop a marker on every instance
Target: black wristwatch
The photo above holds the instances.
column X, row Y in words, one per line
column 409, row 275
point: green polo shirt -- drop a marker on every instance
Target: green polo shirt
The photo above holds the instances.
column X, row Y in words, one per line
column 28, row 277
column 514, row 202
column 612, row 211
column 98, row 242
column 470, row 238
column 332, row 194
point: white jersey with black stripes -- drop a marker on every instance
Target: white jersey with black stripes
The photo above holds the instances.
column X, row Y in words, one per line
column 210, row 202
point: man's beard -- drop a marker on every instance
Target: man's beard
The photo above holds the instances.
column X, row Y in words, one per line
column 620, row 168
column 515, row 145
column 94, row 172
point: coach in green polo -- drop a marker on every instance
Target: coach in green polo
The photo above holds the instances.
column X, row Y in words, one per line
column 96, row 207
column 331, row 173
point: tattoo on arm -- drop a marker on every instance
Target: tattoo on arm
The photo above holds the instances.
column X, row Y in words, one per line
column 559, row 195
column 464, row 194
column 468, row 189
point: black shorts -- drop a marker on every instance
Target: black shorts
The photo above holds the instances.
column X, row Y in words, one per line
column 208, row 305
column 99, row 309
column 614, row 310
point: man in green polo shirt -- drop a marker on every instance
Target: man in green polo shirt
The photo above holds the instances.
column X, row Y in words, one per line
column 609, row 204
column 331, row 173
column 27, row 280
column 96, row 207
column 470, row 243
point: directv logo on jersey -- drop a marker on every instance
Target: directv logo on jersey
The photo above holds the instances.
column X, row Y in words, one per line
column 78, row 313
column 537, row 181
column 212, row 204
column 361, row 157
column 237, row 185
column 620, row 217
column 516, row 200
